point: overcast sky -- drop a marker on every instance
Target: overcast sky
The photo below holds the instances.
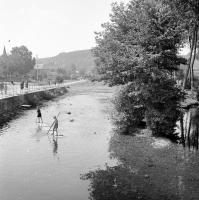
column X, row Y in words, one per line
column 48, row 27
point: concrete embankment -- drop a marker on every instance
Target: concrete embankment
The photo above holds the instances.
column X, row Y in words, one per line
column 10, row 107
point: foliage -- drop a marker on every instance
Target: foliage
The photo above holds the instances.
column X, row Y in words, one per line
column 139, row 36
column 188, row 12
column 161, row 100
column 139, row 47
column 20, row 61
column 129, row 110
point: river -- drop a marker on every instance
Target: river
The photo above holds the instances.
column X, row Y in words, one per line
column 36, row 165
column 89, row 159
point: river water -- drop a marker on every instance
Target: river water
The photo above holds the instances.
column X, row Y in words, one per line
column 36, row 165
column 89, row 160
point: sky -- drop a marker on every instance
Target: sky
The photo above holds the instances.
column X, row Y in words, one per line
column 49, row 27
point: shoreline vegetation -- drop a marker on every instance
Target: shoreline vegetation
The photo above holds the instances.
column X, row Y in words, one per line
column 138, row 49
column 148, row 167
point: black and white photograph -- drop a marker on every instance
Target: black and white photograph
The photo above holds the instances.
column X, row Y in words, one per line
column 99, row 100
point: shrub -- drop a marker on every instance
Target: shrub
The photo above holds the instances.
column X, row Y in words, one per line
column 129, row 111
column 157, row 101
column 162, row 106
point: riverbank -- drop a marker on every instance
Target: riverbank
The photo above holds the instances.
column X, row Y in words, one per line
column 148, row 168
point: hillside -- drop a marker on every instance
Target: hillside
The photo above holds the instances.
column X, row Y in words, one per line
column 83, row 60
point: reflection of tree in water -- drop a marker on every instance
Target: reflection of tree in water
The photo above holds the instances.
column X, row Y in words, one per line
column 189, row 125
column 120, row 183
column 137, row 176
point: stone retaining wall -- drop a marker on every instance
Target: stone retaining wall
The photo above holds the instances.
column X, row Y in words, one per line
column 10, row 107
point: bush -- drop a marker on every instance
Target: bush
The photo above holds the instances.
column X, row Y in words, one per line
column 157, row 101
column 128, row 111
column 162, row 109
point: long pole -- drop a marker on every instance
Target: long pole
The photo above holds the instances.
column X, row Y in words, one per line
column 50, row 127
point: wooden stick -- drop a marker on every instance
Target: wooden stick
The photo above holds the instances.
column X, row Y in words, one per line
column 50, row 127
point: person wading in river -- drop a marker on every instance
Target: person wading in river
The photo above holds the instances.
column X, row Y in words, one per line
column 55, row 127
column 39, row 116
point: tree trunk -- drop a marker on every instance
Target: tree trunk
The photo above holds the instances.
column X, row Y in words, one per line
column 191, row 59
column 189, row 64
column 194, row 56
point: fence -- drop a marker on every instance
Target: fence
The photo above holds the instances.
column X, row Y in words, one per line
column 9, row 89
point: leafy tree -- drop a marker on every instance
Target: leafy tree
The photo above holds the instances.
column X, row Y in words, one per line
column 139, row 46
column 188, row 12
column 138, row 32
column 21, row 60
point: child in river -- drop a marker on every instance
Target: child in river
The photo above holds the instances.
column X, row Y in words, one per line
column 39, row 116
column 55, row 127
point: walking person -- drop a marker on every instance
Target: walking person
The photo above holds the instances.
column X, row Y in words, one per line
column 39, row 115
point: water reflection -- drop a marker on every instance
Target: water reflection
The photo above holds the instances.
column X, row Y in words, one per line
column 38, row 133
column 148, row 173
column 189, row 128
column 55, row 145
column 120, row 183
column 53, row 139
column 143, row 172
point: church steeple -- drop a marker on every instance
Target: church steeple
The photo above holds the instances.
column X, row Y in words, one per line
column 4, row 51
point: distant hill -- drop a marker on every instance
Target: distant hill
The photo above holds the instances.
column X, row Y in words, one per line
column 83, row 60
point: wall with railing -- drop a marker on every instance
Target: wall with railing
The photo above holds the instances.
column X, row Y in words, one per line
column 8, row 89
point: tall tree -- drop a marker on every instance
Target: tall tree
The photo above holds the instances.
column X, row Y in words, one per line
column 188, row 12
column 139, row 47
column 21, row 60
column 139, row 31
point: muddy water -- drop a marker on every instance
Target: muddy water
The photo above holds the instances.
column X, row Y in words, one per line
column 34, row 165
